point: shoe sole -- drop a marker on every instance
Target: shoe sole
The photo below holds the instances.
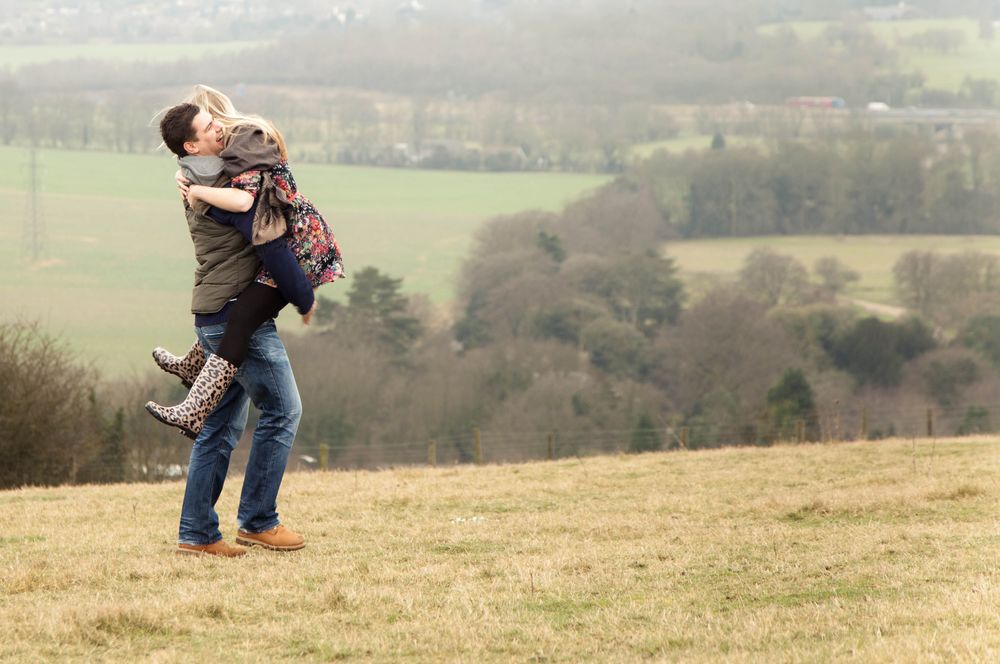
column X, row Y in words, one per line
column 184, row 381
column 270, row 547
column 184, row 430
column 189, row 552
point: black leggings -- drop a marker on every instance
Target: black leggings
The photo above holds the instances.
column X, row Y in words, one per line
column 256, row 304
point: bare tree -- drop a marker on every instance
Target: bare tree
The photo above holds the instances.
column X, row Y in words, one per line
column 49, row 417
column 833, row 274
column 772, row 278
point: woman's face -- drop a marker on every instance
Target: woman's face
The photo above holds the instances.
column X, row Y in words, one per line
column 208, row 136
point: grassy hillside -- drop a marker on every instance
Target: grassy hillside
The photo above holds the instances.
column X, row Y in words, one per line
column 876, row 551
column 872, row 256
column 975, row 58
column 117, row 274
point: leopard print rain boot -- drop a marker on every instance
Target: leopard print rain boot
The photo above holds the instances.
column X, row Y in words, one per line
column 186, row 367
column 189, row 416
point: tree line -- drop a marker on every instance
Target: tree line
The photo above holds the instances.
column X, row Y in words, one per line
column 472, row 95
column 566, row 323
column 673, row 53
column 358, row 128
column 855, row 184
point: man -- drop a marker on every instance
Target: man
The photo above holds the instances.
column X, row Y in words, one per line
column 227, row 264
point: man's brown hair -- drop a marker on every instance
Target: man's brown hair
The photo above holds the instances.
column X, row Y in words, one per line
column 177, row 127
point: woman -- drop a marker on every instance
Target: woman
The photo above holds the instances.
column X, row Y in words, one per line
column 256, row 161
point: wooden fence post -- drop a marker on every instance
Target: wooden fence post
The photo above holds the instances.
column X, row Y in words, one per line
column 479, row 446
column 864, row 423
column 432, row 458
column 930, row 423
column 324, row 456
column 684, row 438
column 800, row 431
column 551, row 447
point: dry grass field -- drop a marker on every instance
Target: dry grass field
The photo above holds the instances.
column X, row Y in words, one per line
column 871, row 551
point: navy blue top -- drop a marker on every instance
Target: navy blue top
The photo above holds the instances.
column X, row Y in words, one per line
column 277, row 259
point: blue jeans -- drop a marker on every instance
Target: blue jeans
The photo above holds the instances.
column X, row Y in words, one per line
column 265, row 378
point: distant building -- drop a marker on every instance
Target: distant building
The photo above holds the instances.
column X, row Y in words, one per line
column 816, row 102
column 899, row 12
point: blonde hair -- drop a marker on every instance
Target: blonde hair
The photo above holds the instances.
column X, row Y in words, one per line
column 222, row 109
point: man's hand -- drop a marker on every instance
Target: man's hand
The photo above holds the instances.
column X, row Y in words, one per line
column 183, row 184
column 306, row 317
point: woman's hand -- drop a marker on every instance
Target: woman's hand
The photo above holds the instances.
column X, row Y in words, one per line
column 306, row 317
column 183, row 184
column 224, row 198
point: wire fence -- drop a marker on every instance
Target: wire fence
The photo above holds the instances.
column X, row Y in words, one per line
column 855, row 421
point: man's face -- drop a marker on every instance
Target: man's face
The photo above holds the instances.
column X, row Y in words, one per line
column 208, row 136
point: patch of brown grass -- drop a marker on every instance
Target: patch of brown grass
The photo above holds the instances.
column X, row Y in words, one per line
column 877, row 551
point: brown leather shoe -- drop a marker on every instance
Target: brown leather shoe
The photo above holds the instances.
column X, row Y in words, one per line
column 278, row 538
column 219, row 548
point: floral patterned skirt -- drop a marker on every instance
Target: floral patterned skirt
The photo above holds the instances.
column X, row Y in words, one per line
column 313, row 245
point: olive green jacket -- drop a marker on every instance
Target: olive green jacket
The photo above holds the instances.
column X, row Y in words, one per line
column 226, row 262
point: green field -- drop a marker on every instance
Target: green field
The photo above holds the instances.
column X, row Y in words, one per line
column 116, row 276
column 872, row 256
column 16, row 57
column 872, row 552
column 976, row 58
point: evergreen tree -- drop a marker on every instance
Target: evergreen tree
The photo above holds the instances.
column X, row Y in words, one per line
column 551, row 245
column 788, row 403
column 375, row 304
column 874, row 352
column 982, row 333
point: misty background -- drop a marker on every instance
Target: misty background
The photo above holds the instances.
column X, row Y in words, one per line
column 570, row 227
